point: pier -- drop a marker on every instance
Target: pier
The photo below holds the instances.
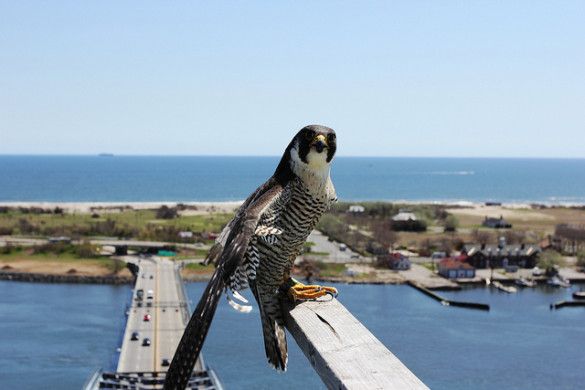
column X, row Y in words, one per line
column 562, row 304
column 448, row 302
column 157, row 317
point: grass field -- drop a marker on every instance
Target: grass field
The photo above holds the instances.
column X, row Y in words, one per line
column 129, row 223
column 22, row 261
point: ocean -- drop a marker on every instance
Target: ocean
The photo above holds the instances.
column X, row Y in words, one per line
column 184, row 179
column 56, row 335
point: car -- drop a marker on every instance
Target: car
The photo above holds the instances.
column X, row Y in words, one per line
column 147, row 317
column 138, row 304
column 149, row 304
column 165, row 363
column 134, row 336
column 146, row 342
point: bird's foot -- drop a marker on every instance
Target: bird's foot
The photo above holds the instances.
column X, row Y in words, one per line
column 302, row 292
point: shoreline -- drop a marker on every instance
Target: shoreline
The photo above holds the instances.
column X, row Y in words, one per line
column 230, row 206
column 37, row 277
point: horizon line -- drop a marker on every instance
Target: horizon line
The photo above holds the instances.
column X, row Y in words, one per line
column 111, row 155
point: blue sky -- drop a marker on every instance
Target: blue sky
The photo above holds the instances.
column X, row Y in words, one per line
column 412, row 78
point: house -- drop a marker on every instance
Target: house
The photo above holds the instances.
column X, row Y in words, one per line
column 496, row 223
column 501, row 255
column 404, row 216
column 453, row 268
column 569, row 238
column 356, row 209
column 407, row 221
column 186, row 234
column 209, row 235
column 395, row 261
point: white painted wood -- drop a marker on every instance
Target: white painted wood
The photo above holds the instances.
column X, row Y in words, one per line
column 343, row 351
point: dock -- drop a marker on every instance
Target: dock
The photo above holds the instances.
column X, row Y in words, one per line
column 157, row 316
column 426, row 278
column 562, row 304
column 447, row 302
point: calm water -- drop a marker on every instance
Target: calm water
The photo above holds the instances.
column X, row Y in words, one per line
column 57, row 334
column 42, row 178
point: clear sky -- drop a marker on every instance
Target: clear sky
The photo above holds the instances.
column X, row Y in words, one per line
column 412, row 78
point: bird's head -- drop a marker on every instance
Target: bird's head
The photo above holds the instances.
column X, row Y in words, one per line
column 314, row 146
column 310, row 152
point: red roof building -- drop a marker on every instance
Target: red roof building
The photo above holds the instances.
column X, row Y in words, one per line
column 455, row 268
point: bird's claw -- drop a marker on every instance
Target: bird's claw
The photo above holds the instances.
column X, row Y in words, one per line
column 301, row 292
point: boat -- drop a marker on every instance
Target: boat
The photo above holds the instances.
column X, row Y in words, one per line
column 579, row 294
column 523, row 282
column 558, row 281
column 508, row 289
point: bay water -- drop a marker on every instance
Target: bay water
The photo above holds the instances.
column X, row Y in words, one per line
column 56, row 335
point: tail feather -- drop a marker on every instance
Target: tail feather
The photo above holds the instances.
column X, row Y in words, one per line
column 274, row 336
column 275, row 345
column 191, row 343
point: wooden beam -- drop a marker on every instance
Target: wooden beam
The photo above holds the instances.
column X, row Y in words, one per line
column 343, row 351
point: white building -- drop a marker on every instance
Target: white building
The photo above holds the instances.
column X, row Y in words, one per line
column 356, row 208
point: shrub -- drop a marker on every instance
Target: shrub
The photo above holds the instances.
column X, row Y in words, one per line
column 165, row 212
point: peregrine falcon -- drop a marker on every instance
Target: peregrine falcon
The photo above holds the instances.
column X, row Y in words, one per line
column 259, row 245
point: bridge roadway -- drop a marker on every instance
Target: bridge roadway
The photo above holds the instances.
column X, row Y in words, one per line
column 168, row 312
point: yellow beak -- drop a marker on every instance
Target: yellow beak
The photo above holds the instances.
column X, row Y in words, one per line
column 321, row 138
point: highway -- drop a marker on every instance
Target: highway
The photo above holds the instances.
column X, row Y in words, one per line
column 335, row 254
column 168, row 314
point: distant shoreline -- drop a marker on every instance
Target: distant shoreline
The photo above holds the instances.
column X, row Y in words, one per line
column 230, row 206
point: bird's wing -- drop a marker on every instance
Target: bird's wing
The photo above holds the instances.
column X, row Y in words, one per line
column 228, row 257
column 232, row 243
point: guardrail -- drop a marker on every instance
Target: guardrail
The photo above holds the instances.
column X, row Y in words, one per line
column 343, row 351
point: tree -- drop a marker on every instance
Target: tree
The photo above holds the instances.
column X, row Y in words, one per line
column 165, row 212
column 581, row 259
column 514, row 237
column 551, row 260
column 451, row 223
column 384, row 234
column 482, row 237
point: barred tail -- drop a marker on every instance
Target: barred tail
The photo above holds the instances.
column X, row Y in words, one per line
column 274, row 335
column 192, row 341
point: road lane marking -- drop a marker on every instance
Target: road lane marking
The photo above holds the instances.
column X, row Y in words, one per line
column 156, row 312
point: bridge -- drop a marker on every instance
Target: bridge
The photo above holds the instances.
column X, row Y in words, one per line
column 156, row 319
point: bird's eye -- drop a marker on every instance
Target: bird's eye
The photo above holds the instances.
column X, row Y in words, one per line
column 309, row 135
column 330, row 137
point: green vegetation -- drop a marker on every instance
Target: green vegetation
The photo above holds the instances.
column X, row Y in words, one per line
column 550, row 259
column 200, row 268
column 68, row 255
column 330, row 269
column 581, row 259
column 450, row 223
column 128, row 223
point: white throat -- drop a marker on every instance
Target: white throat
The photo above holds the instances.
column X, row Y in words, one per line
column 314, row 173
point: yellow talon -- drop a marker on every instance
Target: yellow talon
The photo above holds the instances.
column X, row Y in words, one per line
column 301, row 292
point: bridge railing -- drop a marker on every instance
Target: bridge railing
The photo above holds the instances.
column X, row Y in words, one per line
column 343, row 351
